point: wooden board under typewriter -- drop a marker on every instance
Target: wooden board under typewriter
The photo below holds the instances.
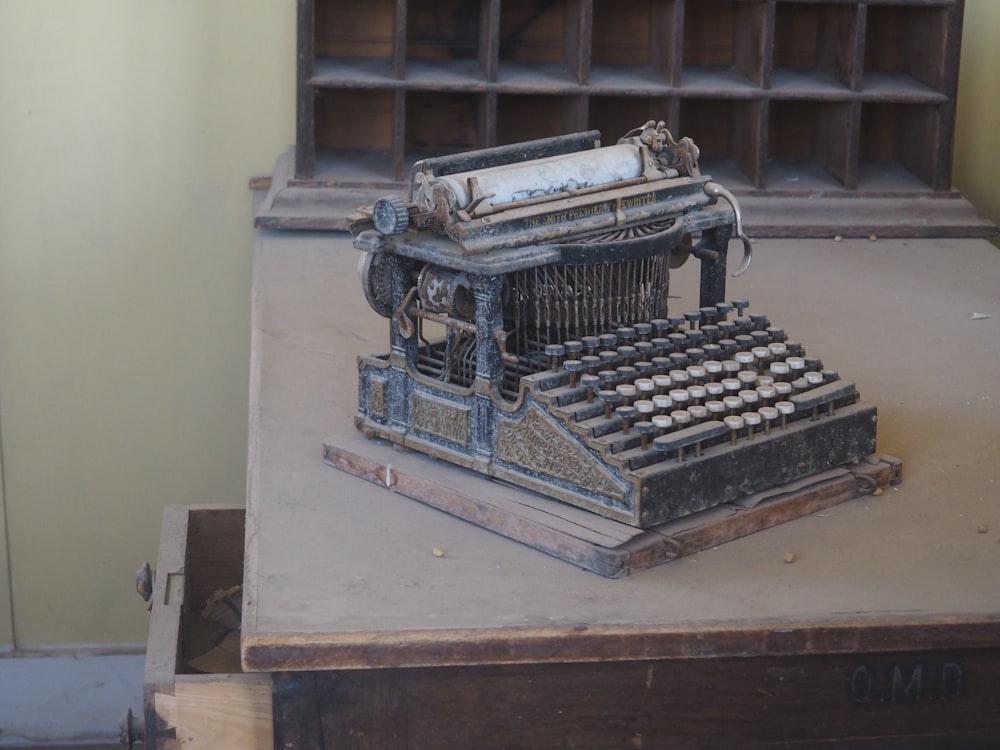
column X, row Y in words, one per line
column 598, row 544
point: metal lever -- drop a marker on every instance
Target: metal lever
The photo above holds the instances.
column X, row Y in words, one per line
column 715, row 190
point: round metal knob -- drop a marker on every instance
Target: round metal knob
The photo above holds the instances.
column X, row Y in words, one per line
column 390, row 215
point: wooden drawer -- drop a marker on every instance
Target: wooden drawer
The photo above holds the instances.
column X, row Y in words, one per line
column 201, row 551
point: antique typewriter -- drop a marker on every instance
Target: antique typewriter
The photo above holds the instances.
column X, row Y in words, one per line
column 530, row 340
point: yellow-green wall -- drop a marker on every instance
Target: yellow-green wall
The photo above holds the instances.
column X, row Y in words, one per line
column 977, row 154
column 128, row 129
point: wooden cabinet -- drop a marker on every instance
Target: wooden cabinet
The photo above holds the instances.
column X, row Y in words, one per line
column 782, row 96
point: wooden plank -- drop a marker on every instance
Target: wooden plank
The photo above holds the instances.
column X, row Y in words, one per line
column 597, row 544
column 296, row 711
column 230, row 712
column 938, row 697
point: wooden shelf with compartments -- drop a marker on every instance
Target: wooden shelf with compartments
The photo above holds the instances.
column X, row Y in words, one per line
column 786, row 98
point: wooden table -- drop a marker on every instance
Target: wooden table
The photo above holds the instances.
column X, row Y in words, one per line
column 887, row 625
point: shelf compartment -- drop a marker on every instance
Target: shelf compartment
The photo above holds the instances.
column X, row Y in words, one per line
column 812, row 135
column 910, row 135
column 732, row 129
column 441, row 122
column 359, row 30
column 614, row 116
column 910, row 42
column 452, row 38
column 726, row 35
column 817, row 42
column 550, row 39
column 357, row 119
column 639, row 40
column 523, row 117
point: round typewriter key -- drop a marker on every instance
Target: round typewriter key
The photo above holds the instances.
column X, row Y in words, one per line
column 695, row 338
column 628, row 353
column 626, row 334
column 609, row 398
column 626, row 414
column 697, row 393
column 731, row 385
column 591, row 363
column 712, row 332
column 645, row 407
column 555, row 353
column 740, row 305
column 795, row 348
column 814, row 363
column 698, row 413
column 645, row 369
column 573, row 367
column 609, row 379
column 762, row 354
column 782, row 388
column 662, row 383
column 709, row 314
column 766, row 393
column 660, row 325
column 735, row 423
column 760, row 320
column 713, row 352
column 727, row 328
column 573, row 348
column 732, row 403
column 785, row 409
column 696, row 354
column 592, row 383
column 715, row 388
column 776, row 334
column 777, row 349
column 645, row 350
column 679, row 360
column 779, row 370
column 730, row 367
column 769, row 414
column 590, row 344
column 751, row 419
column 760, row 338
column 626, row 373
column 728, row 346
column 681, row 417
column 746, row 360
column 800, row 384
column 627, row 391
column 796, row 365
column 608, row 340
column 764, row 380
column 662, row 402
column 830, row 376
column 645, row 386
column 645, row 429
column 693, row 317
column 608, row 357
column 662, row 422
column 747, row 377
column 713, row 368
column 643, row 330
column 676, row 321
column 715, row 408
column 661, row 364
column 679, row 397
column 748, row 397
column 698, row 373
column 677, row 341
column 745, row 341
column 814, row 378
column 662, row 346
column 679, row 376
column 743, row 324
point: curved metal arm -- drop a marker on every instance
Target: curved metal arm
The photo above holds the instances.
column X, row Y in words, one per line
column 716, row 190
